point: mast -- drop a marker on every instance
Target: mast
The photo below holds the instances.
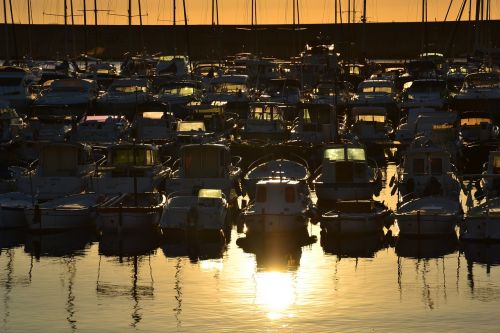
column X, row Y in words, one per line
column 129, row 12
column 30, row 15
column 72, row 27
column 335, row 10
column 85, row 44
column 363, row 41
column 188, row 46
column 174, row 23
column 140, row 23
column 7, row 55
column 95, row 23
column 65, row 27
column 14, row 37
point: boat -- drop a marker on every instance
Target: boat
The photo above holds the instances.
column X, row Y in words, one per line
column 345, row 174
column 15, row 87
column 375, row 92
column 11, row 125
column 265, row 122
column 70, row 212
column 12, row 206
column 206, row 212
column 227, row 88
column 406, row 130
column 66, row 97
column 125, row 96
column 482, row 222
column 153, row 127
column 131, row 211
column 369, row 125
column 131, row 167
column 428, row 191
column 280, row 206
column 356, row 217
column 176, row 94
column 316, row 124
column 477, row 127
column 271, row 166
column 100, row 130
column 425, row 93
column 205, row 166
column 63, row 168
column 282, row 90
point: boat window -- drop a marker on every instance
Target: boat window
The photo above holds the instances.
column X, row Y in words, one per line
column 261, row 195
column 290, row 194
column 128, row 89
column 496, row 165
column 334, row 154
column 436, row 166
column 386, row 90
column 356, row 154
column 370, row 118
column 185, row 126
column 126, row 157
column 229, row 87
column 474, row 121
column 419, row 166
column 178, row 91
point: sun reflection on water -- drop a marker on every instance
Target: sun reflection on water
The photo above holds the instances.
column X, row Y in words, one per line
column 275, row 293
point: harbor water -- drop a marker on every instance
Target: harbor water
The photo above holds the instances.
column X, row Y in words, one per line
column 78, row 282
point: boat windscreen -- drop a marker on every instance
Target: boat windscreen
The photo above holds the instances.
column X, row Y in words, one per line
column 190, row 126
column 382, row 89
column 474, row 121
column 370, row 118
column 229, row 87
column 356, row 154
column 125, row 156
column 209, row 193
column 315, row 117
column 334, row 154
column 177, row 91
column 128, row 89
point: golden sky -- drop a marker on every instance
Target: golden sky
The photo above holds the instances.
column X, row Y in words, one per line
column 239, row 12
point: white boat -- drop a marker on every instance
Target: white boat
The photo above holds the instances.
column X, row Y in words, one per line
column 271, row 167
column 480, row 92
column 15, row 85
column 375, row 92
column 282, row 90
column 482, row 222
column 205, row 212
column 205, row 166
column 430, row 215
column 131, row 167
column 356, row 217
column 345, row 174
column 478, row 127
column 70, row 97
column 369, row 124
column 153, row 127
column 125, row 97
column 12, row 206
column 425, row 93
column 406, row 131
column 176, row 94
column 266, row 122
column 279, row 207
column 101, row 130
column 70, row 212
column 63, row 169
column 131, row 211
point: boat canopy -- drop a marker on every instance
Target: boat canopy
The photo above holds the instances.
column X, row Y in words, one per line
column 343, row 153
column 205, row 161
column 376, row 86
column 191, row 126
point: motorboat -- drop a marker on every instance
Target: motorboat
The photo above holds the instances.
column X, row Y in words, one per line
column 335, row 93
column 174, row 65
column 176, row 94
column 70, row 212
column 406, row 130
column 100, row 129
column 272, row 166
column 375, row 92
column 66, row 97
column 154, row 127
column 131, row 212
column 205, row 166
column 477, row 127
column 369, row 125
column 482, row 222
column 345, row 174
column 11, row 125
column 125, row 96
column 62, row 169
column 356, row 217
column 280, row 206
column 50, row 128
column 192, row 131
column 425, row 93
column 131, row 167
column 480, row 92
column 206, row 212
column 428, row 191
column 316, row 124
column 12, row 206
column 228, row 88
column 282, row 90
column 265, row 122
column 15, row 87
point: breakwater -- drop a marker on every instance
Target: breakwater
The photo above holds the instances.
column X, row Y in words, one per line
column 381, row 40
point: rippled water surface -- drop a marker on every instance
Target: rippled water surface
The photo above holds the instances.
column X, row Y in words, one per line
column 74, row 282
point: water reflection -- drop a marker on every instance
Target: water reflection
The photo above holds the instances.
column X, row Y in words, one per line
column 129, row 244
column 11, row 238
column 59, row 244
column 277, row 252
column 426, row 247
column 276, row 292
column 356, row 246
column 195, row 248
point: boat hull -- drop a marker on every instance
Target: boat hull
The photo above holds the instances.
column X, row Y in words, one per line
column 486, row 227
column 58, row 219
column 419, row 224
column 344, row 223
column 349, row 191
column 12, row 217
column 128, row 219
column 274, row 223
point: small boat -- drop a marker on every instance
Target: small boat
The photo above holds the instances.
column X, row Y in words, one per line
column 375, row 92
column 131, row 211
column 482, row 222
column 430, row 215
column 270, row 167
column 153, row 127
column 101, row 130
column 265, row 122
column 369, row 124
column 425, row 93
column 279, row 207
column 125, row 96
column 12, row 206
column 356, row 217
column 316, row 123
column 205, row 212
column 15, row 87
column 282, row 90
column 345, row 174
column 70, row 212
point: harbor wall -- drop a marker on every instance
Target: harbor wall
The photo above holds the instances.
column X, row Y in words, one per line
column 382, row 41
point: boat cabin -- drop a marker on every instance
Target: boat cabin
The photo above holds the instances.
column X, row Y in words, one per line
column 205, row 161
column 153, row 125
column 345, row 163
column 210, row 197
column 477, row 126
column 315, row 122
column 100, row 129
column 427, row 162
column 278, row 196
column 65, row 160
column 128, row 155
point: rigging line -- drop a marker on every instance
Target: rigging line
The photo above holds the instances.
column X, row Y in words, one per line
column 448, row 11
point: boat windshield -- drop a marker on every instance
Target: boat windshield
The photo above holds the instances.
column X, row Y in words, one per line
column 370, row 118
column 356, row 154
column 337, row 154
column 315, row 117
column 125, row 156
column 210, row 193
column 178, row 91
column 228, row 87
column 474, row 121
column 128, row 89
column 190, row 126
column 377, row 89
column 265, row 113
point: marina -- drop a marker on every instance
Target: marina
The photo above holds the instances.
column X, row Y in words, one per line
column 318, row 188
